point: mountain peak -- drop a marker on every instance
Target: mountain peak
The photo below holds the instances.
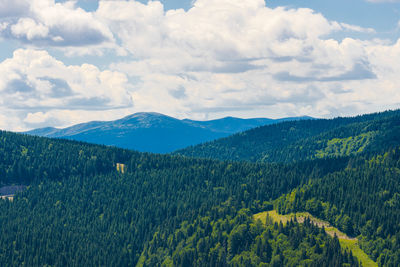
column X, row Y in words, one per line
column 152, row 131
column 144, row 115
column 146, row 120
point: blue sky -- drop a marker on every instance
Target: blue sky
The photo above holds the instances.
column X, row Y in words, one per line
column 66, row 62
column 382, row 16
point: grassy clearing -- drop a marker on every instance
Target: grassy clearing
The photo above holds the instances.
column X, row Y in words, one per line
column 345, row 241
column 357, row 252
column 121, row 168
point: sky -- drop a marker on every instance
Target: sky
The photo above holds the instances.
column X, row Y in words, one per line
column 68, row 62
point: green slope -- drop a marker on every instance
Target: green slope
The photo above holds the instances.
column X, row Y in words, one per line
column 79, row 208
column 236, row 239
column 302, row 140
column 362, row 200
column 346, row 242
column 103, row 206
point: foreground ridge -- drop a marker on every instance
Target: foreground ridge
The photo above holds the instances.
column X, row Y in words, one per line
column 350, row 243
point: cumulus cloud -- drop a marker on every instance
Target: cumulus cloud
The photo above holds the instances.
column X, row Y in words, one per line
column 46, row 23
column 34, row 83
column 29, row 29
column 239, row 56
column 211, row 29
column 218, row 58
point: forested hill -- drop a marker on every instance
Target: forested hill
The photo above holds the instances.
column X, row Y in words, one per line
column 91, row 205
column 25, row 159
column 79, row 210
column 362, row 199
column 309, row 139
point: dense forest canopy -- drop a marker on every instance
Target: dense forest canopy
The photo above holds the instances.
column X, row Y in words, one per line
column 60, row 211
column 172, row 210
column 307, row 139
column 233, row 238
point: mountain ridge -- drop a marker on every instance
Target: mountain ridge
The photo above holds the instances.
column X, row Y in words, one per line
column 155, row 132
column 305, row 139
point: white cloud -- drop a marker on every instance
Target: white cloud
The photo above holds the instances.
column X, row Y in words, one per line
column 225, row 57
column 37, row 118
column 46, row 23
column 34, row 83
column 356, row 28
column 215, row 29
column 29, row 29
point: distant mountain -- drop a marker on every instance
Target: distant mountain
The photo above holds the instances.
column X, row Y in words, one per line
column 304, row 140
column 154, row 132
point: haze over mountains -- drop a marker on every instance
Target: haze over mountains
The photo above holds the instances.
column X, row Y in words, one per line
column 154, row 132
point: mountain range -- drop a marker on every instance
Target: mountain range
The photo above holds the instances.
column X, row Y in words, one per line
column 154, row 132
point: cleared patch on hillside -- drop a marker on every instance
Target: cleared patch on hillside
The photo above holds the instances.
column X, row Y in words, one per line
column 345, row 241
column 346, row 146
column 121, row 168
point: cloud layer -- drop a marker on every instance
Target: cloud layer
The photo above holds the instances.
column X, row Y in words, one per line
column 46, row 23
column 226, row 57
column 34, row 83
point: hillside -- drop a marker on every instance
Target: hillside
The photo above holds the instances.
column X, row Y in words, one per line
column 361, row 199
column 154, row 132
column 79, row 208
column 352, row 244
column 236, row 239
column 306, row 139
column 104, row 206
